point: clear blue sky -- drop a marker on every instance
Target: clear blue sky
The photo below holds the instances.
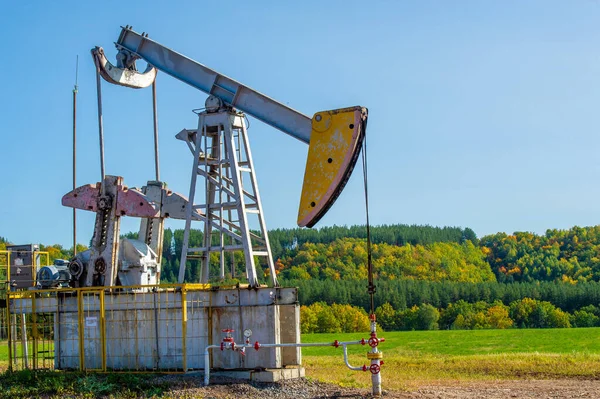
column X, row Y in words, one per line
column 481, row 114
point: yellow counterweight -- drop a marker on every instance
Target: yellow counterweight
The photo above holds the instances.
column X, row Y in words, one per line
column 334, row 147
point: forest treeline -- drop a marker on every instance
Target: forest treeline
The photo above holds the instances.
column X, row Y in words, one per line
column 402, row 252
column 570, row 256
column 421, row 270
column 405, row 252
column 461, row 315
column 285, row 241
column 403, row 294
column 295, row 250
column 559, row 255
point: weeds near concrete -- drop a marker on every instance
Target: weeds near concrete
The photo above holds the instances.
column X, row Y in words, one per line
column 30, row 384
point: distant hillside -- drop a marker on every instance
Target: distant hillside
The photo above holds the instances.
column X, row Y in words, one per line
column 346, row 259
column 283, row 240
column 560, row 255
column 402, row 252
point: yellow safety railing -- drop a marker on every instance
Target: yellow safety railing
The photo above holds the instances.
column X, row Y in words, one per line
column 5, row 263
column 132, row 329
column 41, row 254
column 4, row 278
column 4, row 266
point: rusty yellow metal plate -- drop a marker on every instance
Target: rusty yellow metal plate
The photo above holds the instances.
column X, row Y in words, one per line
column 334, row 146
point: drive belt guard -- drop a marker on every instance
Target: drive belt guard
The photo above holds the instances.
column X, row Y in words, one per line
column 335, row 144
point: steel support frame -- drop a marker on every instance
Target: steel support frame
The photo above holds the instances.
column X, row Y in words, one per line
column 222, row 155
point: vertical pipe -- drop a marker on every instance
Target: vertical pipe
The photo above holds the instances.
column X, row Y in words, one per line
column 15, row 337
column 156, row 340
column 34, row 332
column 24, row 341
column 209, row 338
column 103, row 329
column 376, row 378
column 57, row 334
column 9, row 334
column 206, row 367
column 184, row 326
column 100, row 127
column 75, row 89
column 155, row 113
column 80, row 310
column 375, row 356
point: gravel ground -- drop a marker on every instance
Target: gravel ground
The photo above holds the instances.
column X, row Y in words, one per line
column 191, row 387
column 534, row 389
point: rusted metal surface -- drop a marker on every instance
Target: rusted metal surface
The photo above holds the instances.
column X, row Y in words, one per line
column 130, row 202
column 83, row 197
column 102, row 267
column 110, row 200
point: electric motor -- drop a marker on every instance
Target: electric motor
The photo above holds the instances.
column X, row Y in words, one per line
column 53, row 276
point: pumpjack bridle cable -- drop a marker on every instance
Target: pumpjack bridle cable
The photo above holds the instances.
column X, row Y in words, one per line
column 371, row 286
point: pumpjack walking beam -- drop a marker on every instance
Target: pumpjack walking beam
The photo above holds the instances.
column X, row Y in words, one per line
column 334, row 137
column 134, row 45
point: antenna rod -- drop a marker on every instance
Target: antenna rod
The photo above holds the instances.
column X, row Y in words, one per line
column 75, row 89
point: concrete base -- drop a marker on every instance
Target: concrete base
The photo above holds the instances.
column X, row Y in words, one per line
column 268, row 375
column 169, row 330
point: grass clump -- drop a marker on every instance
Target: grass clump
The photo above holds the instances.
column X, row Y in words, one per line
column 35, row 384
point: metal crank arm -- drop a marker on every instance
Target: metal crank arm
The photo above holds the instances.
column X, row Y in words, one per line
column 174, row 206
column 130, row 202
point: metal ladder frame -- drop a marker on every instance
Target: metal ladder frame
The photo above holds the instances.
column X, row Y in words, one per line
column 222, row 156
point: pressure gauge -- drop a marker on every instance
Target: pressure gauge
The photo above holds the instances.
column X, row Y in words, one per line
column 247, row 333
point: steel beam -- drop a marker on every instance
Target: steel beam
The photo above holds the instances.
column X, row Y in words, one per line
column 242, row 97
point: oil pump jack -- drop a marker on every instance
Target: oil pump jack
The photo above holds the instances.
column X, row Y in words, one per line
column 222, row 156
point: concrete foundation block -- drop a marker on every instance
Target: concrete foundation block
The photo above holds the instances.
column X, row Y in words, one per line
column 268, row 375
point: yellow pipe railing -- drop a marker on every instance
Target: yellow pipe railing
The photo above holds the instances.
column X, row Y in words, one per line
column 47, row 322
column 5, row 255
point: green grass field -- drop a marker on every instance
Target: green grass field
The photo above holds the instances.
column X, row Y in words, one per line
column 471, row 342
column 413, row 358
